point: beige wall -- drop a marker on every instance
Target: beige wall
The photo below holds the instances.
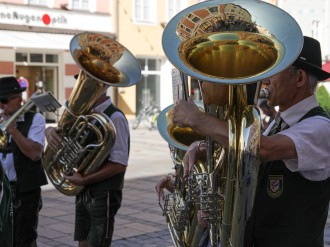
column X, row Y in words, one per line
column 140, row 39
column 143, row 40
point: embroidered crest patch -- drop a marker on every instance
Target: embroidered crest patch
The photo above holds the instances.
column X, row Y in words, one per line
column 275, row 186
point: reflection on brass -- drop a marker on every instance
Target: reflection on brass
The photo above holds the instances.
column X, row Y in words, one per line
column 229, row 55
column 217, row 18
column 236, row 44
column 88, row 136
column 97, row 66
column 184, row 135
column 101, row 46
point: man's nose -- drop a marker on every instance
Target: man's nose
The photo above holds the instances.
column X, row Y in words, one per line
column 265, row 81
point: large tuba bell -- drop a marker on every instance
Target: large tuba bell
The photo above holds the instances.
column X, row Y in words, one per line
column 103, row 62
column 235, row 44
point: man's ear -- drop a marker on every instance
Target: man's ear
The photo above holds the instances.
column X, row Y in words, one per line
column 301, row 78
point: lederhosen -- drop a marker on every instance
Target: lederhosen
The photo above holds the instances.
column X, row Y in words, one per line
column 112, row 186
column 6, row 233
column 30, row 176
column 290, row 210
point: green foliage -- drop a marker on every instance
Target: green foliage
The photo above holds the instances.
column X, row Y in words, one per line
column 323, row 98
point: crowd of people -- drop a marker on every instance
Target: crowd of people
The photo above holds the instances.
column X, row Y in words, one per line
column 293, row 191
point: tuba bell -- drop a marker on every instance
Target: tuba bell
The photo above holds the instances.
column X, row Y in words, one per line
column 236, row 44
column 103, row 63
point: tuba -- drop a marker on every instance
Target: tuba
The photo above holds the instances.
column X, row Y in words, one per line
column 235, row 44
column 103, row 63
column 4, row 125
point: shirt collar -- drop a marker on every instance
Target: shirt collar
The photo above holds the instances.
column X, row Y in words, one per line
column 293, row 114
column 20, row 118
column 103, row 106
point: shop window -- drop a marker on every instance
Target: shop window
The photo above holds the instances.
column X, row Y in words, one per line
column 36, row 58
column 148, row 65
column 148, row 89
column 30, row 58
column 142, row 62
column 51, row 58
column 21, row 57
column 81, row 4
column 38, row 2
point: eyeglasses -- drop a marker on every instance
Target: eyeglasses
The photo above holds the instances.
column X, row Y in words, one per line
column 7, row 100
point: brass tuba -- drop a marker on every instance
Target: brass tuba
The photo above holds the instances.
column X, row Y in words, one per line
column 236, row 44
column 103, row 62
column 4, row 125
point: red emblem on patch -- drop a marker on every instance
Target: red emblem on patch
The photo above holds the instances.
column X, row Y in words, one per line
column 275, row 185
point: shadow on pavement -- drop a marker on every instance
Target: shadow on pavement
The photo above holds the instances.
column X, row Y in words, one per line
column 139, row 222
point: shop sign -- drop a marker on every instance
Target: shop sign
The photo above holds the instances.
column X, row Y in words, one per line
column 53, row 18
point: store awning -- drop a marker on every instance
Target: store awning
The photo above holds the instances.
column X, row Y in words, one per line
column 326, row 67
column 34, row 40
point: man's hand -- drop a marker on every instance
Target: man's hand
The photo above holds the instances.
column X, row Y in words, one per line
column 196, row 151
column 53, row 138
column 76, row 178
column 183, row 110
column 164, row 183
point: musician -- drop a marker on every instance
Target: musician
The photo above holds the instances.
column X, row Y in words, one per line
column 98, row 204
column 21, row 161
column 213, row 94
column 292, row 198
column 6, row 233
column 269, row 112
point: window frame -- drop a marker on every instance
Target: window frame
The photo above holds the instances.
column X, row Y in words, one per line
column 90, row 8
column 178, row 6
column 151, row 11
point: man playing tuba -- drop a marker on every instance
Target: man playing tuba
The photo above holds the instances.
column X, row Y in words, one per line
column 98, row 203
column 293, row 193
column 21, row 161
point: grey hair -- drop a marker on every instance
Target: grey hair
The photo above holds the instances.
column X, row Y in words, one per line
column 312, row 80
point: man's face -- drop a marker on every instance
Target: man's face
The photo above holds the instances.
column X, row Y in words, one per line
column 282, row 89
column 214, row 93
column 10, row 104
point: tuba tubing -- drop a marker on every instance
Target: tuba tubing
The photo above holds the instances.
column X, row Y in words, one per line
column 4, row 125
column 236, row 43
column 103, row 63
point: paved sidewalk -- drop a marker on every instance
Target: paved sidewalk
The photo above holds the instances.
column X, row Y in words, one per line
column 139, row 222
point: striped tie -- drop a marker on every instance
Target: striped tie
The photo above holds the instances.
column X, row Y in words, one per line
column 277, row 125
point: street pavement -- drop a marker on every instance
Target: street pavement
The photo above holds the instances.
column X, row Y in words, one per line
column 139, row 221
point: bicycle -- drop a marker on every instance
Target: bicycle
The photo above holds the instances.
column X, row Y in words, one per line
column 147, row 116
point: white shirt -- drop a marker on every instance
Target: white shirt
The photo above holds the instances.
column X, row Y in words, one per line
column 36, row 133
column 119, row 151
column 311, row 138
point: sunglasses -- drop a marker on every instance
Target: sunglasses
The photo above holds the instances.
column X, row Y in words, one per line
column 7, row 100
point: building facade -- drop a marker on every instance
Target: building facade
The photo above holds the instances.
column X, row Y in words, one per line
column 140, row 29
column 35, row 41
column 36, row 35
column 313, row 18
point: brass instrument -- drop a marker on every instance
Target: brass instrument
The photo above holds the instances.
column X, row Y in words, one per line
column 103, row 62
column 4, row 125
column 236, row 44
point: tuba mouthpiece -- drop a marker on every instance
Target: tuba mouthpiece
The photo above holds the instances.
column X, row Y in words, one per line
column 264, row 93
